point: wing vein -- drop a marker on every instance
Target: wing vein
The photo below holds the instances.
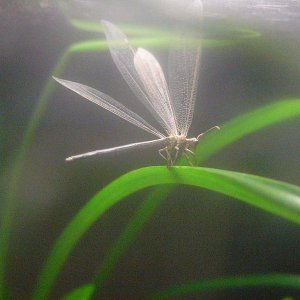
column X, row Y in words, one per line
column 109, row 104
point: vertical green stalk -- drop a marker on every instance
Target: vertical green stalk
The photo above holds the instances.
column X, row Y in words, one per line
column 16, row 171
column 136, row 223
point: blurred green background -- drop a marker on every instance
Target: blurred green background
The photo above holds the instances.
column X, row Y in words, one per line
column 195, row 234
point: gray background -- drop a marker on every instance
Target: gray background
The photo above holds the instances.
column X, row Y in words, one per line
column 195, row 234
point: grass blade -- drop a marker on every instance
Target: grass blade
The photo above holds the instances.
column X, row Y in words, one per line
column 211, row 144
column 274, row 280
column 133, row 227
column 266, row 280
column 233, row 130
column 272, row 196
column 84, row 292
column 247, row 124
column 15, row 173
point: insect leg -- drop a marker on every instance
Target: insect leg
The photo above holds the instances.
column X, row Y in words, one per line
column 160, row 151
column 168, row 157
column 185, row 153
column 176, row 153
column 169, row 160
column 190, row 152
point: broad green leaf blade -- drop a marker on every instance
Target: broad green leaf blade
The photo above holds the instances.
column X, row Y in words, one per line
column 273, row 196
column 266, row 280
column 82, row 293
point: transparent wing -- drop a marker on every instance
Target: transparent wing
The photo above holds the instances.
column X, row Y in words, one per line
column 183, row 81
column 123, row 55
column 184, row 62
column 155, row 85
column 110, row 104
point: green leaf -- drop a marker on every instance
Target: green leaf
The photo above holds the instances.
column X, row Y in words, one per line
column 212, row 143
column 273, row 196
column 266, row 280
column 130, row 29
column 235, row 129
column 161, row 42
column 141, row 216
column 82, row 293
column 247, row 124
column 233, row 32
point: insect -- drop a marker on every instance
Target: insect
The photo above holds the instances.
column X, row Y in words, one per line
column 171, row 106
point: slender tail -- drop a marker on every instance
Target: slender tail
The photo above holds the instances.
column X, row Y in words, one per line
column 139, row 145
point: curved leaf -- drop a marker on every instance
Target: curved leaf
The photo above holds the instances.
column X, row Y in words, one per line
column 246, row 124
column 276, row 197
column 215, row 141
column 242, row 281
column 266, row 280
column 82, row 293
column 233, row 130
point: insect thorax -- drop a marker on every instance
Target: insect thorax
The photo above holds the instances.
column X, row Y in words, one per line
column 180, row 142
column 176, row 145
